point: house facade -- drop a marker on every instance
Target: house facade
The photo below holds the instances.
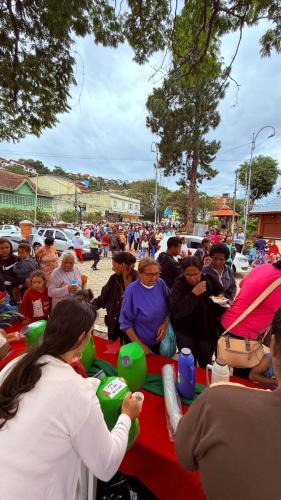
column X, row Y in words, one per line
column 269, row 218
column 19, row 192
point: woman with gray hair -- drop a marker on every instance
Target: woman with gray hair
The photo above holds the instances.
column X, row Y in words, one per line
column 66, row 279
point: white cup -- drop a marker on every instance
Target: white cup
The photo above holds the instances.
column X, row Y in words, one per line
column 140, row 397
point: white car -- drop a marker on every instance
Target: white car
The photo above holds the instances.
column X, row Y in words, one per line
column 63, row 239
column 9, row 230
column 240, row 264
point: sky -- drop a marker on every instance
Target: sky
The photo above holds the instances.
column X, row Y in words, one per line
column 105, row 133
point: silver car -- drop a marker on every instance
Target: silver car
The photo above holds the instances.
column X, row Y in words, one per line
column 63, row 239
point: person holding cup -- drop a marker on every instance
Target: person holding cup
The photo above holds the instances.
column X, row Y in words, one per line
column 66, row 279
column 194, row 313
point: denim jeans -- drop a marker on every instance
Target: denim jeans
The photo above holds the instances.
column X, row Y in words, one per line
column 105, row 251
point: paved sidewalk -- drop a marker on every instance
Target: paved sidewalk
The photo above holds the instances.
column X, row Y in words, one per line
column 96, row 280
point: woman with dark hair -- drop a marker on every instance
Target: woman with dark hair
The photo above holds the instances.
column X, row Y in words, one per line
column 50, row 417
column 7, row 267
column 47, row 257
column 221, row 272
column 112, row 293
column 194, row 312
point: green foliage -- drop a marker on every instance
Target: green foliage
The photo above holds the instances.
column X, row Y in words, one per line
column 145, row 191
column 204, row 205
column 68, row 216
column 9, row 214
column 37, row 52
column 184, row 109
column 91, row 216
column 16, row 169
column 264, row 175
column 252, row 226
column 39, row 166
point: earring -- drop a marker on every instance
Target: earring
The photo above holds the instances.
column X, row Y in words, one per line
column 80, row 355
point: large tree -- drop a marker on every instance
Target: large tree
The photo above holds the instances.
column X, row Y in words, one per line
column 264, row 175
column 37, row 53
column 184, row 109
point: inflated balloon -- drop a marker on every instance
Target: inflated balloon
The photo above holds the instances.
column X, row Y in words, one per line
column 34, row 332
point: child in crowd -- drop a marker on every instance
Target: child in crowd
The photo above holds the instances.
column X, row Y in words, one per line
column 144, row 246
column 263, row 373
column 25, row 265
column 249, row 251
column 8, row 313
column 36, row 303
column 184, row 247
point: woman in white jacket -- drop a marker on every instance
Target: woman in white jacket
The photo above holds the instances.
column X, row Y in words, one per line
column 50, row 417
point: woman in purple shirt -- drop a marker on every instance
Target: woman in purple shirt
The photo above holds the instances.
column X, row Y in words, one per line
column 144, row 315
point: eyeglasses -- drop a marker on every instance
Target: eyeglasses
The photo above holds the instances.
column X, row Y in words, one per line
column 152, row 275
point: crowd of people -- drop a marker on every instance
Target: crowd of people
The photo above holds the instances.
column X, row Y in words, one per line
column 176, row 289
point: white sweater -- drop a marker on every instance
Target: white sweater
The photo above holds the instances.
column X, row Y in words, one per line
column 59, row 422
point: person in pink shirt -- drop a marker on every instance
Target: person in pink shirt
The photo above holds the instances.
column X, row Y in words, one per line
column 258, row 321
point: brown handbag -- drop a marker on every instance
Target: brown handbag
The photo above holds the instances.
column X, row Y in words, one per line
column 243, row 352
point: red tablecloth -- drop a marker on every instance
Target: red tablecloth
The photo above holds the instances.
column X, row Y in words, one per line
column 17, row 348
column 152, row 459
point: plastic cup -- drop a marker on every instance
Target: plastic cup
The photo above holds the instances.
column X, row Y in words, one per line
column 140, row 397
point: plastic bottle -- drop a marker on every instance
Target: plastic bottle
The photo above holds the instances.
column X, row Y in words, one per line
column 132, row 365
column 220, row 371
column 186, row 374
column 73, row 282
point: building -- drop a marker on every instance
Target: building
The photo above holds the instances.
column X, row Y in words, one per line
column 58, row 185
column 222, row 200
column 13, row 163
column 269, row 218
column 111, row 205
column 19, row 192
column 225, row 215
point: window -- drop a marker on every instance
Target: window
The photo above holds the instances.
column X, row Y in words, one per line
column 49, row 232
column 115, row 203
column 41, row 232
column 60, row 236
column 136, row 207
column 130, row 206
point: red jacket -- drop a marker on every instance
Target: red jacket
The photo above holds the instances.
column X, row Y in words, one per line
column 35, row 305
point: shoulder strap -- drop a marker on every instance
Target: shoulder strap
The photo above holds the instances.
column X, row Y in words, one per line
column 255, row 304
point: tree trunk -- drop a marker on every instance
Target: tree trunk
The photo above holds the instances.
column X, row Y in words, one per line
column 192, row 192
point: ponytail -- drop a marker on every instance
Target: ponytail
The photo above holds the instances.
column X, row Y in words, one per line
column 22, row 378
column 69, row 319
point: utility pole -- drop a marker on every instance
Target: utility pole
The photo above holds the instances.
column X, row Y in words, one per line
column 234, row 201
column 36, row 201
column 156, row 181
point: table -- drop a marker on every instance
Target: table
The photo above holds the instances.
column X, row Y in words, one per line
column 152, row 459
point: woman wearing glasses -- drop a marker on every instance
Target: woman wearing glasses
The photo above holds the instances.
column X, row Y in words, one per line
column 194, row 312
column 144, row 315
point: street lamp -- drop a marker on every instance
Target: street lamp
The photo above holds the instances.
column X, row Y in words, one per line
column 249, row 176
column 154, row 149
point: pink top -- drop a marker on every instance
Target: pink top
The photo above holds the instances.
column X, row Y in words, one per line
column 251, row 287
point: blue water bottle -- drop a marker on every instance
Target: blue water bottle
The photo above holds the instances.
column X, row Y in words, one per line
column 186, row 374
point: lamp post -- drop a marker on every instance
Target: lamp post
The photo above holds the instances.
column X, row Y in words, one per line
column 249, row 176
column 154, row 149
column 36, row 201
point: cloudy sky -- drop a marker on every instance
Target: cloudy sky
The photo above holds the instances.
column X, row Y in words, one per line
column 105, row 132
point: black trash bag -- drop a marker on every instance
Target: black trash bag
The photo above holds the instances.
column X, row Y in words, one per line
column 123, row 487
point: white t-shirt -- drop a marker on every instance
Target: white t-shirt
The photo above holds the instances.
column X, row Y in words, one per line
column 59, row 422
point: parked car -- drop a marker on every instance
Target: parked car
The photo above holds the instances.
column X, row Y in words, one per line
column 63, row 239
column 9, row 229
column 240, row 264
